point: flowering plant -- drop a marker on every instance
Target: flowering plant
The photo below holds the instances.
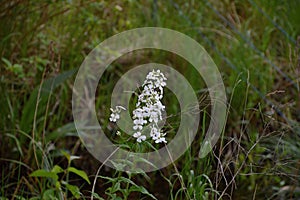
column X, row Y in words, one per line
column 148, row 109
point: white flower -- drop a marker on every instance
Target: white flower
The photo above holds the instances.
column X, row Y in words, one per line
column 139, row 137
column 115, row 115
column 157, row 135
column 120, row 108
column 137, row 127
column 154, row 133
column 149, row 107
column 160, row 140
column 137, row 134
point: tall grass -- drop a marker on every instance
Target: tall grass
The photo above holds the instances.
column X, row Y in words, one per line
column 255, row 46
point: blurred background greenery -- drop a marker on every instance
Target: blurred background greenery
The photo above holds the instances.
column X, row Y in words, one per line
column 255, row 45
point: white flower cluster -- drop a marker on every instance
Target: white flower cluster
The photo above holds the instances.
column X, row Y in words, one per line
column 149, row 107
column 115, row 113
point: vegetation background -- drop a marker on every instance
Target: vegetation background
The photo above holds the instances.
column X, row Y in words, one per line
column 254, row 43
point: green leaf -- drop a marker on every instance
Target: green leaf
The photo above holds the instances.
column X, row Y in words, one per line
column 63, row 131
column 58, row 185
column 113, row 196
column 57, row 169
column 18, row 197
column 17, row 69
column 74, row 190
column 47, row 88
column 80, row 173
column 112, row 180
column 49, row 194
column 136, row 187
column 17, row 143
column 96, row 196
column 7, row 62
column 118, row 166
column 126, row 180
column 32, row 198
column 116, row 187
column 44, row 173
column 67, row 155
column 142, row 190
